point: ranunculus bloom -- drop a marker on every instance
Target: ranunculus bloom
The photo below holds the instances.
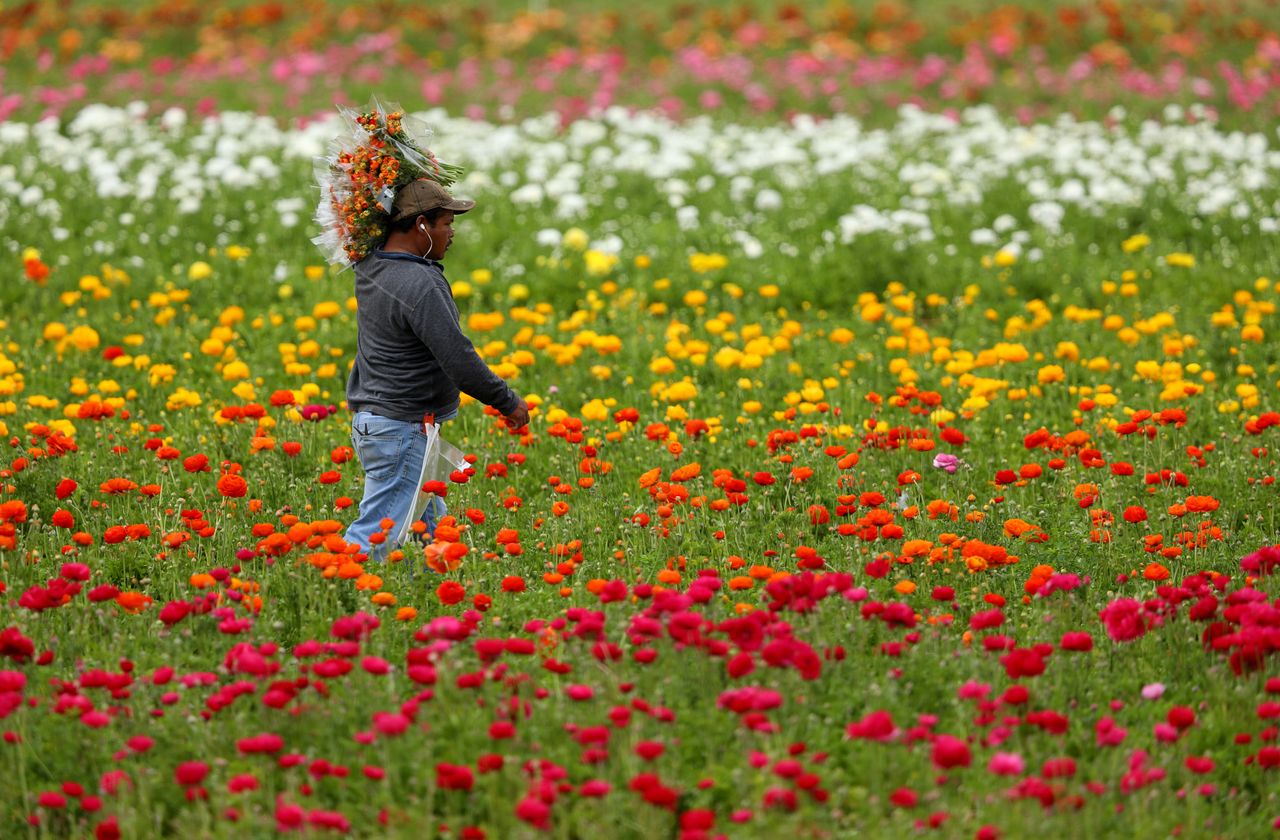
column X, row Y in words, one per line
column 950, row 751
column 232, row 486
column 946, row 461
column 190, row 773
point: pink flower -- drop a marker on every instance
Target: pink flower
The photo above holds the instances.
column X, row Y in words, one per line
column 580, row 692
column 1125, row 620
column 947, row 461
column 534, row 811
column 875, row 726
column 1006, row 764
column 1262, row 562
column 595, row 788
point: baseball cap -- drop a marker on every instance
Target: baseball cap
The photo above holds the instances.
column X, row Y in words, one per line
column 422, row 196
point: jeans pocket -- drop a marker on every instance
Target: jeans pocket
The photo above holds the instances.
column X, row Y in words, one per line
column 380, row 447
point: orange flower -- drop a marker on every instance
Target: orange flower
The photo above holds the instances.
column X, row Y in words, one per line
column 232, row 486
column 133, row 602
column 1202, row 504
column 116, row 486
column 684, row 473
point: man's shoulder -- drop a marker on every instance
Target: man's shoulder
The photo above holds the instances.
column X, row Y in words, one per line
column 408, row 280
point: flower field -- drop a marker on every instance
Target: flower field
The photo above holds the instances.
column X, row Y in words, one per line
column 899, row 469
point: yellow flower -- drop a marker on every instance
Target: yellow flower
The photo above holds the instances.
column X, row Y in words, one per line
column 234, row 371
column 599, row 263
column 326, row 309
column 183, row 398
column 313, row 272
column 1135, row 243
column 703, row 263
column 1050, row 373
column 575, row 239
column 1180, row 260
column 681, row 391
column 485, row 321
column 595, row 410
column 84, row 338
column 662, row 365
column 199, row 270
column 161, row 374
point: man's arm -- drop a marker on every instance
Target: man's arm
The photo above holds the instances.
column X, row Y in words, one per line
column 432, row 320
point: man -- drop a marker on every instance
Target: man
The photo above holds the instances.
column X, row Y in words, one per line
column 412, row 359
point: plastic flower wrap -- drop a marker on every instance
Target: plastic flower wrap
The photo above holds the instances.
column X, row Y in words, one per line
column 379, row 150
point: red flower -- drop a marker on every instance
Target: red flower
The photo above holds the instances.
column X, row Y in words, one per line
column 450, row 592
column 1077, row 641
column 649, row 750
column 65, row 488
column 454, row 777
column 1022, row 662
column 190, row 773
column 534, row 811
column 904, row 798
column 1134, row 514
column 950, row 751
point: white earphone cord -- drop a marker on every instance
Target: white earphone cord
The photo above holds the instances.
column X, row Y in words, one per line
column 430, row 247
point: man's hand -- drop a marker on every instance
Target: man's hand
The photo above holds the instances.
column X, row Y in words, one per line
column 519, row 416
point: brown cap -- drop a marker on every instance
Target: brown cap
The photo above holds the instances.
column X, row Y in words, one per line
column 425, row 195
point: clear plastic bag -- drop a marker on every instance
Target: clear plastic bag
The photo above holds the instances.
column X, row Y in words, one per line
column 439, row 459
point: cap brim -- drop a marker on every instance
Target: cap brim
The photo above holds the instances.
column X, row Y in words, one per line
column 460, row 205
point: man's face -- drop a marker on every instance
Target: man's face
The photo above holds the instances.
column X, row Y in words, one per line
column 441, row 235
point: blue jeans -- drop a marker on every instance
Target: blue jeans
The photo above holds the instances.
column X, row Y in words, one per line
column 391, row 453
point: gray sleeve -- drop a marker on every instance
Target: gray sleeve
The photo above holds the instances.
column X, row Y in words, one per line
column 433, row 321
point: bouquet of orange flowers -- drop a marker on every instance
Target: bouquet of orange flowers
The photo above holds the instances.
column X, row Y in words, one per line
column 379, row 151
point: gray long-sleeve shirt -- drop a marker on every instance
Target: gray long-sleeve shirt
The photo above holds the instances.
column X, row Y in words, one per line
column 412, row 357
